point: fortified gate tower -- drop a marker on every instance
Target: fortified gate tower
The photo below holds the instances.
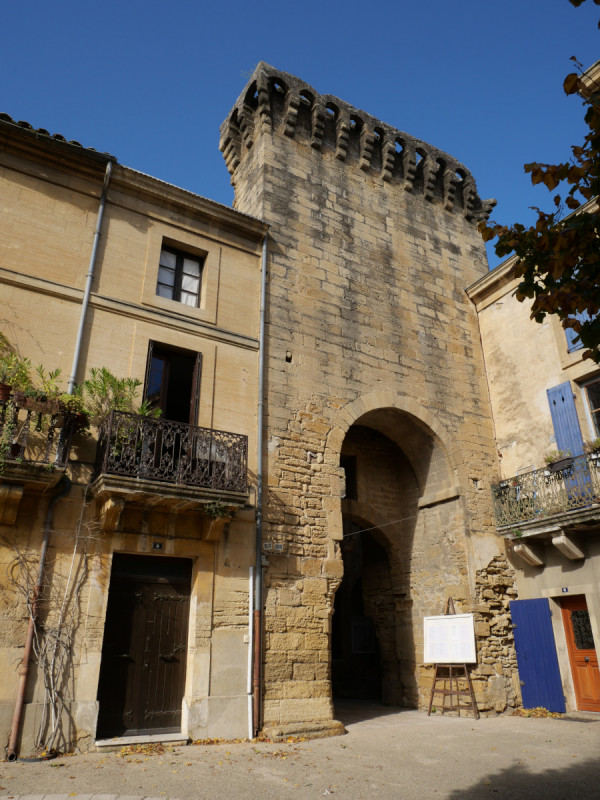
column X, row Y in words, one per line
column 379, row 442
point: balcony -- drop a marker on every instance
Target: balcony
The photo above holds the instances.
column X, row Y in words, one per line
column 568, row 486
column 35, row 441
column 170, row 465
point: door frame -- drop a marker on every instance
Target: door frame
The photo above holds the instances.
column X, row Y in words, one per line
column 578, row 599
column 154, row 578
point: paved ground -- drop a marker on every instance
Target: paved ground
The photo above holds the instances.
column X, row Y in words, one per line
column 387, row 753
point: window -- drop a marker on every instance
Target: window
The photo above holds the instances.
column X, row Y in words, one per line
column 573, row 340
column 173, row 382
column 592, row 391
column 179, row 276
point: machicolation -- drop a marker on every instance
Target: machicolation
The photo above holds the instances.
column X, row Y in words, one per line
column 282, row 102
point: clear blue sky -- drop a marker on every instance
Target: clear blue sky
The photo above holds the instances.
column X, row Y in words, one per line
column 150, row 81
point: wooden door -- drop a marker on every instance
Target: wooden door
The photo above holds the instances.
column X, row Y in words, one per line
column 582, row 653
column 142, row 674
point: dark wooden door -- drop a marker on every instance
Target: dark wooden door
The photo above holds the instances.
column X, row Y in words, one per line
column 582, row 653
column 142, row 674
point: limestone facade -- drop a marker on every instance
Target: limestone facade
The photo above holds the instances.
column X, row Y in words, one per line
column 549, row 518
column 50, row 196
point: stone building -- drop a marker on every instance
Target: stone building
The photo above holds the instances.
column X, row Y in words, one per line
column 377, row 442
column 545, row 401
column 157, row 523
column 378, row 418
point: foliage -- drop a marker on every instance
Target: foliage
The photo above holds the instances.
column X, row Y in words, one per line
column 14, row 370
column 73, row 403
column 558, row 258
column 216, row 509
column 592, row 447
column 7, row 433
column 48, row 381
column 103, row 392
column 537, row 713
column 556, row 455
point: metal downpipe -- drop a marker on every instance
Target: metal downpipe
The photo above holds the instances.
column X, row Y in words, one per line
column 90, row 277
column 11, row 752
column 258, row 577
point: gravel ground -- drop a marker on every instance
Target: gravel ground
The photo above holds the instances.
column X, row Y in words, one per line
column 387, row 753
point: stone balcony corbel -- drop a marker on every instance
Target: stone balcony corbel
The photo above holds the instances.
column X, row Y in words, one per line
column 529, row 554
column 567, row 546
column 20, row 478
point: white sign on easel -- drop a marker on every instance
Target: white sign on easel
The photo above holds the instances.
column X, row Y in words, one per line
column 449, row 639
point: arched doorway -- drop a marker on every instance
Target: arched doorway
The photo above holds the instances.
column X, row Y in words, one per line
column 363, row 620
column 397, row 555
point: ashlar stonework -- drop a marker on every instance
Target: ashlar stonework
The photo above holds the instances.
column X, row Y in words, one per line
column 379, row 441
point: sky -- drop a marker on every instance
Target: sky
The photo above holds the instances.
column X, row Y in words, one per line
column 150, row 81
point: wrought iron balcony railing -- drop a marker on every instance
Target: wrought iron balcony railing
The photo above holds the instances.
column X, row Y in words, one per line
column 573, row 483
column 175, row 452
column 34, row 431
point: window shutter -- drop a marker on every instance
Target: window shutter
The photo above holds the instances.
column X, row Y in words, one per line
column 564, row 418
column 572, row 335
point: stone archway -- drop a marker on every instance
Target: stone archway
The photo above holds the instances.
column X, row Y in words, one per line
column 409, row 550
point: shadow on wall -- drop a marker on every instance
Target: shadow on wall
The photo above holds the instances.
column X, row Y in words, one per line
column 373, row 647
column 580, row 780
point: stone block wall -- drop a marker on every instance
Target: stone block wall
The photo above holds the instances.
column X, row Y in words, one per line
column 372, row 242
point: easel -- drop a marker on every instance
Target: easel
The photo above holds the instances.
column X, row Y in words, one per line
column 455, row 693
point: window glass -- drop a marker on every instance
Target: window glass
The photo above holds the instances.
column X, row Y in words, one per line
column 166, row 276
column 189, row 284
column 168, row 259
column 191, row 267
column 179, row 276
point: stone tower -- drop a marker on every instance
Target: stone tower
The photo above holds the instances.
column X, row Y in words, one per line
column 379, row 443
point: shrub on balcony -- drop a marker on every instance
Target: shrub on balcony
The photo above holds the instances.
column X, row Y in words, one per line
column 103, row 392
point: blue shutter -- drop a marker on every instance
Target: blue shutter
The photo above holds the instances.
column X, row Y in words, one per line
column 564, row 418
column 536, row 655
column 572, row 335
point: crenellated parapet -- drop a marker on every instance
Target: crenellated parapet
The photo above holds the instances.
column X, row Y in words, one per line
column 276, row 103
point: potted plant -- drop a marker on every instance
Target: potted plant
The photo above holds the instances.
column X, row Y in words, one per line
column 14, row 374
column 592, row 448
column 558, row 460
column 73, row 407
column 44, row 396
column 103, row 392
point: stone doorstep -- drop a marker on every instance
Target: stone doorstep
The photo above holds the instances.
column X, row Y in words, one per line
column 304, row 730
column 108, row 745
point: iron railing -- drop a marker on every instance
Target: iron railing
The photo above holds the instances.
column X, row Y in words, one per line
column 34, row 431
column 570, row 484
column 175, row 452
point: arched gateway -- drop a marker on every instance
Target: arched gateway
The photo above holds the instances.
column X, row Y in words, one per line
column 403, row 549
column 374, row 383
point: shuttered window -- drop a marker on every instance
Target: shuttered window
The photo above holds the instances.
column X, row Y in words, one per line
column 564, row 418
column 573, row 340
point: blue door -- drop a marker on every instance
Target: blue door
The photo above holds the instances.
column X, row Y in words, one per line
column 536, row 655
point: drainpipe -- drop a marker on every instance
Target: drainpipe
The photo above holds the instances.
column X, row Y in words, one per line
column 24, row 668
column 258, row 582
column 90, row 277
